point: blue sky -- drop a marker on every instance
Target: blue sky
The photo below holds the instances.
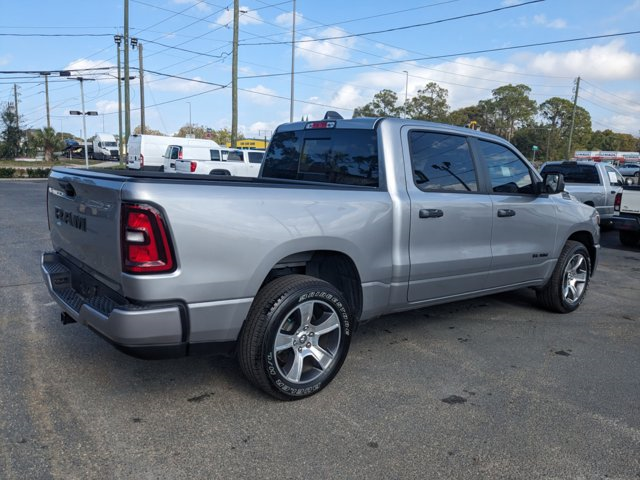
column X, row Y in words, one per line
column 343, row 71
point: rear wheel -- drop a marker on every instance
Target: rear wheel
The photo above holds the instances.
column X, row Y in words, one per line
column 567, row 287
column 296, row 337
column 629, row 239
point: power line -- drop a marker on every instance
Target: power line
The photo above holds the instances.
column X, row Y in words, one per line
column 405, row 27
column 448, row 55
column 56, row 35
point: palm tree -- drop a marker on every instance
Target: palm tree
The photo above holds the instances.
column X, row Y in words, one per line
column 48, row 141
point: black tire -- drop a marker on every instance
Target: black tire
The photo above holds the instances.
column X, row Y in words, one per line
column 637, row 174
column 629, row 239
column 286, row 355
column 567, row 287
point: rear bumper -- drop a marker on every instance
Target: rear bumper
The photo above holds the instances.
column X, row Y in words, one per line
column 148, row 331
column 631, row 224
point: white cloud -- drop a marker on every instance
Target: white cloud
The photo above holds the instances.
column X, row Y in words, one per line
column 6, row 59
column 619, row 123
column 262, row 129
column 541, row 20
column 247, row 17
column 285, row 19
column 325, row 53
column 106, row 106
column 599, row 62
column 260, row 95
column 181, row 86
column 85, row 67
column 391, row 52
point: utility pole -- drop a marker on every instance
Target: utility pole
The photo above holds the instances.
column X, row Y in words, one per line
column 127, row 107
column 46, row 95
column 15, row 99
column 134, row 44
column 234, row 75
column 573, row 118
column 293, row 59
column 118, row 40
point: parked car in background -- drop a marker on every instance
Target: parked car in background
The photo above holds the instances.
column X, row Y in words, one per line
column 241, row 163
column 593, row 183
column 630, row 170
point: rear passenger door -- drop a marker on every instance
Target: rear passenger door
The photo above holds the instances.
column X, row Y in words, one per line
column 451, row 219
column 524, row 223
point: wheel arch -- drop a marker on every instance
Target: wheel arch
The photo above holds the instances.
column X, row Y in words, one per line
column 587, row 240
column 334, row 267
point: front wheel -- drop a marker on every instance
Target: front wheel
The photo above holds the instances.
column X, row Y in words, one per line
column 567, row 287
column 296, row 337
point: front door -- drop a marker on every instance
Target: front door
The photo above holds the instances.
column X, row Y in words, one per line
column 524, row 223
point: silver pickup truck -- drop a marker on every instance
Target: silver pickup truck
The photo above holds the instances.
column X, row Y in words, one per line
column 593, row 183
column 347, row 221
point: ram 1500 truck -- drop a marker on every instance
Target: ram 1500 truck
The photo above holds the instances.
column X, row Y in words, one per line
column 627, row 218
column 593, row 183
column 347, row 221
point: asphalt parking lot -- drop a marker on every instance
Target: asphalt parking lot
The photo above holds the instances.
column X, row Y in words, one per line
column 487, row 388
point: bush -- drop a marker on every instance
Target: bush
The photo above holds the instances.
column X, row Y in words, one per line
column 38, row 172
column 7, row 172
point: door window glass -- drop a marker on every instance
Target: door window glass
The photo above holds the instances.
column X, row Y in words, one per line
column 441, row 162
column 507, row 171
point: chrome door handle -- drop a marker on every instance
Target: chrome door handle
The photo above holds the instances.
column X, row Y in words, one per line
column 506, row 212
column 431, row 213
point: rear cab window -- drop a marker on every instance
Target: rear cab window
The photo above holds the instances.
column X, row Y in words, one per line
column 328, row 155
column 574, row 172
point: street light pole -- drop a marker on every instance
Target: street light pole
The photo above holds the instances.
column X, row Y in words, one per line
column 118, row 40
column 406, row 93
column 190, row 124
column 293, row 59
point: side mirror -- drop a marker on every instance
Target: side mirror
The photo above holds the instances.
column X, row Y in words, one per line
column 552, row 183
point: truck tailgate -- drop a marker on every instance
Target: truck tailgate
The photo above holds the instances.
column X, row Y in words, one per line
column 84, row 217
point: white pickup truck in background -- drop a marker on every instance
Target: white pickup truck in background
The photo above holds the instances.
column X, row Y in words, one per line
column 240, row 163
column 627, row 216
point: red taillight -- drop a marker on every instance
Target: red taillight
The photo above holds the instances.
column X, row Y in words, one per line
column 193, row 166
column 617, row 202
column 141, row 160
column 180, row 154
column 322, row 124
column 145, row 242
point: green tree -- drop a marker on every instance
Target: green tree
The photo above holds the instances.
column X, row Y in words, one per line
column 11, row 134
column 509, row 109
column 464, row 116
column 147, row 131
column 49, row 141
column 384, row 104
column 610, row 140
column 221, row 137
column 429, row 104
column 557, row 114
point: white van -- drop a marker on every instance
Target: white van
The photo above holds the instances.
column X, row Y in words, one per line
column 192, row 149
column 238, row 162
column 105, row 147
column 146, row 152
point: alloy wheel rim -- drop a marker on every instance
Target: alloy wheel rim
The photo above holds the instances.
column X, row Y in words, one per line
column 307, row 342
column 575, row 278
